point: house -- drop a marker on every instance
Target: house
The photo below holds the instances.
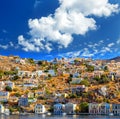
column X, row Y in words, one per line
column 30, row 85
column 4, row 96
column 39, row 93
column 31, row 95
column 23, row 101
column 112, row 75
column 117, row 76
column 10, row 84
column 116, row 109
column 79, row 89
column 13, row 100
column 70, row 108
column 39, row 73
column 24, row 73
column 1, row 108
column 103, row 91
column 104, row 109
column 51, row 72
column 93, row 108
column 58, row 108
column 76, row 75
column 40, row 109
column 76, row 80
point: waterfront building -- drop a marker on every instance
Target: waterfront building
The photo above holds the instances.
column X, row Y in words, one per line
column 40, row 109
column 58, row 108
column 116, row 109
column 70, row 108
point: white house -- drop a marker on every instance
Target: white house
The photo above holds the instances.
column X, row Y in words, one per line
column 51, row 72
column 94, row 108
column 1, row 108
column 40, row 109
column 70, row 108
column 39, row 72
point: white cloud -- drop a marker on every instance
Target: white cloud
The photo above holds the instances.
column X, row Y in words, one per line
column 90, row 7
column 27, row 46
column 73, row 17
column 111, row 44
column 118, row 41
column 73, row 54
column 36, row 4
column 4, row 46
column 105, row 49
column 48, row 47
column 94, row 45
column 11, row 44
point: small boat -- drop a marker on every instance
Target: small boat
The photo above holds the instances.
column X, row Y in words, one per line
column 64, row 114
column 111, row 114
column 48, row 113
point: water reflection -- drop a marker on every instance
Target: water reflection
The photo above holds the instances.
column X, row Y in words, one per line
column 57, row 117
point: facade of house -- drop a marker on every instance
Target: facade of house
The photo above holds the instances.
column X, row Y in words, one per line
column 76, row 75
column 58, row 108
column 23, row 101
column 31, row 95
column 116, row 109
column 51, row 72
column 70, row 108
column 4, row 96
column 93, row 108
column 76, row 80
column 39, row 72
column 10, row 84
column 1, row 108
column 40, row 109
column 102, row 109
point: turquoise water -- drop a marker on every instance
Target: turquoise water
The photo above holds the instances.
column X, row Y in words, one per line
column 57, row 117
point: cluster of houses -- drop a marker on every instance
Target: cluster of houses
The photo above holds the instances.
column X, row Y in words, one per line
column 77, row 70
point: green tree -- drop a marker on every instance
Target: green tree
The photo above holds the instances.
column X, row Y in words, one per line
column 8, row 88
column 84, row 107
column 85, row 82
column 31, row 61
column 105, row 68
column 90, row 68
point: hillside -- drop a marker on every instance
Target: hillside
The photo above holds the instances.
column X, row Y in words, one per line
column 76, row 81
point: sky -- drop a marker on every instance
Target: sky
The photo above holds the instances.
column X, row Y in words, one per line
column 45, row 29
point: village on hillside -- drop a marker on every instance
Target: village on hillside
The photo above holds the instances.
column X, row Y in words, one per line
column 60, row 86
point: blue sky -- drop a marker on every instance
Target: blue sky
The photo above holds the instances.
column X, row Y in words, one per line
column 44, row 29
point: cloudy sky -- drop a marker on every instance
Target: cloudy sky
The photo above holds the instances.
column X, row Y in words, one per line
column 44, row 29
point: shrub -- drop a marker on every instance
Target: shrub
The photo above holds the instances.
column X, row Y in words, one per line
column 8, row 88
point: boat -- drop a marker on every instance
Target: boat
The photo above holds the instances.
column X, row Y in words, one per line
column 48, row 113
column 64, row 114
column 111, row 114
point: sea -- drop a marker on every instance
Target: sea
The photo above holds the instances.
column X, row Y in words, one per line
column 57, row 117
